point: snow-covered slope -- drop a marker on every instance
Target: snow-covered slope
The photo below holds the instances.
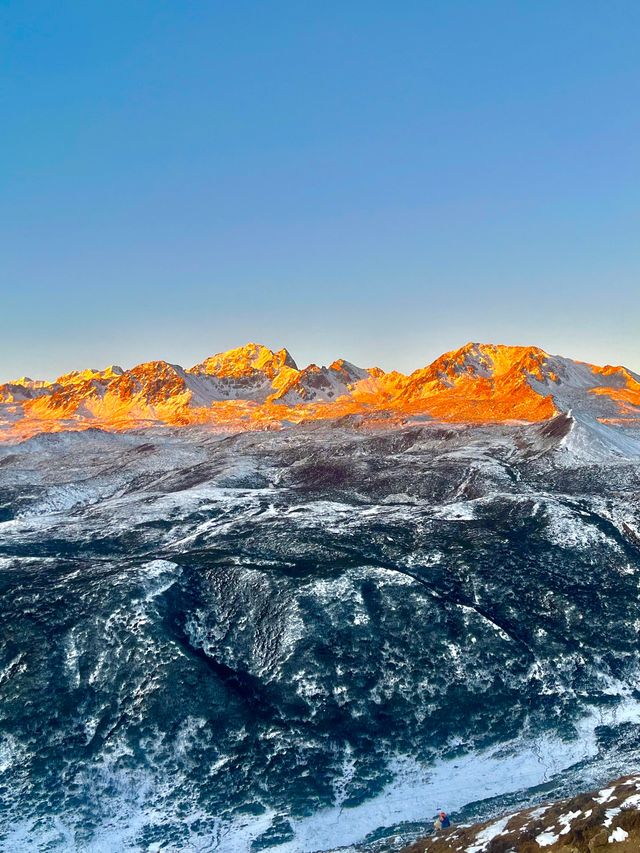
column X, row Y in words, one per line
column 309, row 639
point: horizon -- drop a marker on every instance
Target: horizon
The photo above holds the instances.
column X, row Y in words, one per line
column 361, row 179
column 301, row 364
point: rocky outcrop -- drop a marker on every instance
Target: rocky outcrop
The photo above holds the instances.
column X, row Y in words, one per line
column 608, row 819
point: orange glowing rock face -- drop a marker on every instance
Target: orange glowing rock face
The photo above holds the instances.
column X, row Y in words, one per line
column 479, row 383
column 245, row 361
column 253, row 387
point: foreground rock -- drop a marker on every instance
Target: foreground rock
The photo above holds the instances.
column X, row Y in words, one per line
column 583, row 824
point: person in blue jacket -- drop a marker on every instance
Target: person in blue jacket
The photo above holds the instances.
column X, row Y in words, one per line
column 442, row 821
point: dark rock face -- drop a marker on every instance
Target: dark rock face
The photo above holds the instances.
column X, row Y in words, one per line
column 298, row 640
column 558, row 427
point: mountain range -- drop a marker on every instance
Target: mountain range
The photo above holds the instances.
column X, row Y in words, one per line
column 340, row 600
column 254, row 387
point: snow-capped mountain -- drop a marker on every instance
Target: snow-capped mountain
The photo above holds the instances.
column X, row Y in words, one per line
column 253, row 387
column 252, row 372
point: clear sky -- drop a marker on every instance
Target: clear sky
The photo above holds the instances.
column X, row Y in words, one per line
column 381, row 181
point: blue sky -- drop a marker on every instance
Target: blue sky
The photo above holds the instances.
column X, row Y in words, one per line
column 375, row 180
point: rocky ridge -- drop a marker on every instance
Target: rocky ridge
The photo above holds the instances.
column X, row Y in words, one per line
column 583, row 824
column 253, row 387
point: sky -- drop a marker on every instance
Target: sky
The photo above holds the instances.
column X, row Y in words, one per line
column 371, row 180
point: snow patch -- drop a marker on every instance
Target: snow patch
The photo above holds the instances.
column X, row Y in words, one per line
column 488, row 834
column 546, row 838
column 618, row 834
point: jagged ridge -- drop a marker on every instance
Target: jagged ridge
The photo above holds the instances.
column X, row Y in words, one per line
column 253, row 386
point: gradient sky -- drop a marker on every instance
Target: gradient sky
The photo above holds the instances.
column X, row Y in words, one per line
column 381, row 181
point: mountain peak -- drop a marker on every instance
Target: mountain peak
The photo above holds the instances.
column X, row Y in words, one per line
column 28, row 382
column 252, row 385
column 79, row 376
column 490, row 359
column 244, row 360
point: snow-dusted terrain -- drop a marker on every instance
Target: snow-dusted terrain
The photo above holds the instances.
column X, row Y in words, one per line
column 585, row 823
column 300, row 640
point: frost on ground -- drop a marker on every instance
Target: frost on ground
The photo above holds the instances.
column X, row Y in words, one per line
column 299, row 641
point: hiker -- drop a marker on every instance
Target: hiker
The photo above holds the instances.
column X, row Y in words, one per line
column 442, row 821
